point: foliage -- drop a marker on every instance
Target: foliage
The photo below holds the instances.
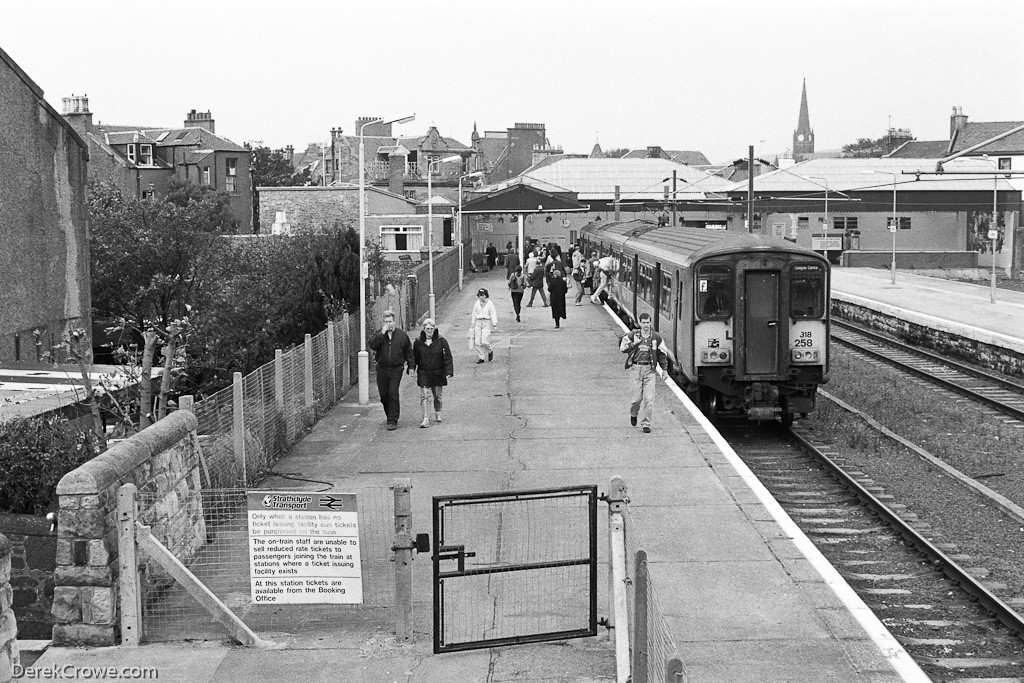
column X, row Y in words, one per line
column 865, row 148
column 35, row 452
column 616, row 152
column 270, row 168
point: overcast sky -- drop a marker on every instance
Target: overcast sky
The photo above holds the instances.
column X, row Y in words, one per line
column 708, row 76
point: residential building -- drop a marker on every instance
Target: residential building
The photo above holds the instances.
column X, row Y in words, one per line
column 503, row 155
column 142, row 160
column 44, row 246
column 688, row 157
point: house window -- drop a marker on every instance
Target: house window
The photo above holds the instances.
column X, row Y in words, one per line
column 904, row 222
column 206, row 175
column 232, row 175
column 145, row 155
column 1005, row 164
column 401, row 237
column 131, row 153
column 845, row 223
column 409, row 194
column 803, row 222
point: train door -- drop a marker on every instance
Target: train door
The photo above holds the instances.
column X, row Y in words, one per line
column 761, row 315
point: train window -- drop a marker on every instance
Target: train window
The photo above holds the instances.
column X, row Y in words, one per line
column 666, row 293
column 714, row 291
column 807, row 291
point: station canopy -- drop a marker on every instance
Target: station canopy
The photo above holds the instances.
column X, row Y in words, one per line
column 522, row 198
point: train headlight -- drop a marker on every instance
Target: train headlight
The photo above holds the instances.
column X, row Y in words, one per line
column 715, row 356
column 805, row 355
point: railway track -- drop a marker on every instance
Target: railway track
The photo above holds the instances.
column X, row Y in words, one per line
column 930, row 597
column 998, row 393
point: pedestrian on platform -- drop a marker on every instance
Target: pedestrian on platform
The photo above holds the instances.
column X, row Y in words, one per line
column 511, row 262
column 492, row 255
column 644, row 349
column 392, row 350
column 517, row 284
column 536, row 277
column 558, row 290
column 600, row 279
column 432, row 358
column 483, row 320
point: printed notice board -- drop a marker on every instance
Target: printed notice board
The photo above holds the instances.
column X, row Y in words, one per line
column 304, row 548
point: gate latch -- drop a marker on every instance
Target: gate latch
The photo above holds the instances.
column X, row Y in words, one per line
column 454, row 552
column 422, row 543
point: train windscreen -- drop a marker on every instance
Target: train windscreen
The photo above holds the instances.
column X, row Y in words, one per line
column 807, row 291
column 714, row 291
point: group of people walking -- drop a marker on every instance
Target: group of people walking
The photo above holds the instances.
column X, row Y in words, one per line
column 430, row 355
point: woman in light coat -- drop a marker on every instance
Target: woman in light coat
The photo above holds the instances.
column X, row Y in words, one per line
column 483, row 319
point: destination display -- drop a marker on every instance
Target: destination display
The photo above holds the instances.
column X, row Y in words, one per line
column 304, row 548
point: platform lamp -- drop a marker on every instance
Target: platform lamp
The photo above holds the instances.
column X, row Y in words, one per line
column 363, row 358
column 895, row 221
column 462, row 260
column 993, row 232
column 430, row 225
column 825, row 185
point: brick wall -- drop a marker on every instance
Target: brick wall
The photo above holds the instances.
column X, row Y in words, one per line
column 8, row 626
column 163, row 462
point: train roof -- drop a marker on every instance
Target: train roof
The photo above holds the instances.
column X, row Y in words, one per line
column 687, row 245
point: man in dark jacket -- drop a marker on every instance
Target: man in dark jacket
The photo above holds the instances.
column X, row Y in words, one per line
column 432, row 359
column 393, row 351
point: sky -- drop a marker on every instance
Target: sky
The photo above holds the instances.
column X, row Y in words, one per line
column 715, row 77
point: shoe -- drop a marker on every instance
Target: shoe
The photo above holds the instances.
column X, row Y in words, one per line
column 518, row 320
column 479, row 360
column 647, row 430
column 392, row 426
column 490, row 355
column 425, row 423
column 632, row 420
column 578, row 303
column 529, row 305
column 438, row 417
column 556, row 324
column 545, row 306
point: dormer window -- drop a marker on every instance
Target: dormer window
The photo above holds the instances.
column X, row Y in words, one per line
column 131, row 153
column 145, row 155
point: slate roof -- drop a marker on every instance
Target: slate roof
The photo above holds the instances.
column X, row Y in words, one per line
column 974, row 133
column 522, row 198
column 688, row 157
column 174, row 137
column 846, row 175
column 921, row 149
column 638, row 179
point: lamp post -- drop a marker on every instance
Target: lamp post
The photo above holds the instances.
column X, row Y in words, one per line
column 825, row 184
column 895, row 222
column 363, row 358
column 474, row 174
column 993, row 231
column 430, row 226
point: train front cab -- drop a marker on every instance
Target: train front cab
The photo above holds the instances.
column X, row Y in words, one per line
column 760, row 333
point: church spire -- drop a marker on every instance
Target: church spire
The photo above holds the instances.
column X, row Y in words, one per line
column 803, row 136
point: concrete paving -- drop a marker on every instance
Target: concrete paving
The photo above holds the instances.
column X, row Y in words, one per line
column 741, row 593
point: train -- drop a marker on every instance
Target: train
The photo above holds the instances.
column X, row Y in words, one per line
column 746, row 317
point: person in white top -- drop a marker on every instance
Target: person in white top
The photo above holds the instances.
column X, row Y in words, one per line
column 483, row 319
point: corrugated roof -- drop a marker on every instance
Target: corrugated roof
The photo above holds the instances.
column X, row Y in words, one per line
column 638, row 179
column 845, row 175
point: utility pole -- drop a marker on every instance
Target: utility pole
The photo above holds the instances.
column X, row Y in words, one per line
column 750, row 190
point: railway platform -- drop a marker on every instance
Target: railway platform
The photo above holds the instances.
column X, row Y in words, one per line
column 742, row 593
column 961, row 308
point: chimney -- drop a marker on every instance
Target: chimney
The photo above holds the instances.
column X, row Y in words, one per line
column 654, row 152
column 956, row 122
column 76, row 112
column 289, row 154
column 397, row 160
column 201, row 119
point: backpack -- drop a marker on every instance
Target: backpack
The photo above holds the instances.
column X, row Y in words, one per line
column 577, row 274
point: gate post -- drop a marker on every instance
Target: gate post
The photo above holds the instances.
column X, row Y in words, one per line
column 130, row 585
column 641, row 648
column 238, row 427
column 332, row 370
column 346, row 352
column 403, row 559
column 616, row 500
column 308, row 370
column 279, row 379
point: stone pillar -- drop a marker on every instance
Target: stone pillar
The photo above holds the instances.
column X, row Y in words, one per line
column 8, row 627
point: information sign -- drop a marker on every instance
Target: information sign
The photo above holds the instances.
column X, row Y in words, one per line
column 304, row 548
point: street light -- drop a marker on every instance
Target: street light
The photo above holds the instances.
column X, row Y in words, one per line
column 430, row 226
column 825, row 181
column 993, row 231
column 895, row 222
column 474, row 174
column 363, row 358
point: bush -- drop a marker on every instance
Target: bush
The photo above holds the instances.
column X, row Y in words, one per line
column 35, row 452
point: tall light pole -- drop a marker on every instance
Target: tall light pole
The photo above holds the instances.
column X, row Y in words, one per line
column 430, row 225
column 363, row 358
column 825, row 184
column 895, row 222
column 993, row 231
column 474, row 174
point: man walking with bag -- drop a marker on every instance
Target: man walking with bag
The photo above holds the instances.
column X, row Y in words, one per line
column 644, row 349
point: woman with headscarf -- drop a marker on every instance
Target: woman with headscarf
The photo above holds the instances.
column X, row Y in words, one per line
column 557, row 289
column 483, row 319
column 432, row 358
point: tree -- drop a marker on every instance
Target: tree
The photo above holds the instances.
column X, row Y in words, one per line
column 270, row 168
column 865, row 148
column 616, row 152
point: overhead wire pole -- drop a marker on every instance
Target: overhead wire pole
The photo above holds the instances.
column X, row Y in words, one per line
column 750, row 190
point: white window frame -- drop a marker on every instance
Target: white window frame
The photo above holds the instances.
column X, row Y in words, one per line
column 145, row 155
column 231, row 174
column 131, row 152
column 413, row 236
column 206, row 175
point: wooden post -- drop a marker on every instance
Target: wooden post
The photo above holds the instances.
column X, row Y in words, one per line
column 346, row 352
column 308, row 374
column 238, row 428
column 129, row 582
column 674, row 671
column 187, row 402
column 403, row 559
column 279, row 378
column 641, row 648
column 331, row 369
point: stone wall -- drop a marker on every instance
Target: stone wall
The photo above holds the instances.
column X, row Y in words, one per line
column 984, row 352
column 32, row 558
column 8, row 626
column 163, row 462
column 911, row 260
